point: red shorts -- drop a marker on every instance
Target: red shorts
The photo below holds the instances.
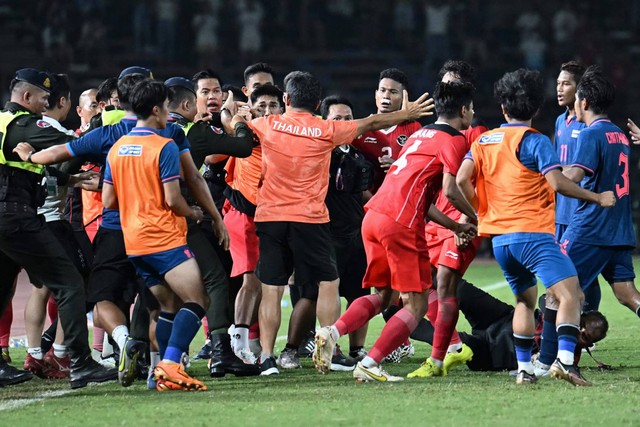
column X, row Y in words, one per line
column 397, row 256
column 443, row 251
column 245, row 246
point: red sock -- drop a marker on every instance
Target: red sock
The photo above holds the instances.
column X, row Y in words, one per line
column 358, row 314
column 455, row 338
column 445, row 324
column 394, row 333
column 432, row 310
column 52, row 308
column 205, row 327
column 98, row 338
column 5, row 325
column 254, row 331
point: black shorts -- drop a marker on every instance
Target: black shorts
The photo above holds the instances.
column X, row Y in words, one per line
column 113, row 277
column 352, row 264
column 285, row 246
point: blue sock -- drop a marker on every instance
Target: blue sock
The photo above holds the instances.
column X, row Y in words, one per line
column 523, row 345
column 549, row 342
column 567, row 340
column 185, row 327
column 163, row 331
column 592, row 297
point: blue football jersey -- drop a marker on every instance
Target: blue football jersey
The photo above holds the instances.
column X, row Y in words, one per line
column 565, row 142
column 603, row 153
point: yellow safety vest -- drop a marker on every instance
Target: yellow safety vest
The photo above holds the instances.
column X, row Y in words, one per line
column 6, row 118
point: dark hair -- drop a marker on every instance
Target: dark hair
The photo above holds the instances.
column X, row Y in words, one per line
column 125, row 86
column 205, row 74
column 598, row 318
column 450, row 97
column 333, row 100
column 177, row 94
column 260, row 67
column 59, row 89
column 238, row 95
column 462, row 69
column 521, row 92
column 267, row 90
column 303, row 90
column 575, row 68
column 395, row 75
column 106, row 88
column 147, row 94
column 596, row 89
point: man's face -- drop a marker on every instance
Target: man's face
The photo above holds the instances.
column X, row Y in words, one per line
column 467, row 116
column 267, row 105
column 209, row 95
column 88, row 107
column 339, row 112
column 566, row 89
column 38, row 100
column 257, row 80
column 579, row 105
column 388, row 96
column 163, row 114
column 589, row 333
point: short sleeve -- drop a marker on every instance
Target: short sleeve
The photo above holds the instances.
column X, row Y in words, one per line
column 107, row 174
column 452, row 154
column 344, row 132
column 587, row 153
column 170, row 162
column 538, row 154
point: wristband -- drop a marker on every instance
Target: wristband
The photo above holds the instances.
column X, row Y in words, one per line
column 29, row 156
column 225, row 109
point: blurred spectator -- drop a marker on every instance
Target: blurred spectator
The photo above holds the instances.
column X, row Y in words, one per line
column 205, row 25
column 565, row 24
column 404, row 24
column 143, row 27
column 250, row 16
column 437, row 16
column 167, row 11
column 533, row 48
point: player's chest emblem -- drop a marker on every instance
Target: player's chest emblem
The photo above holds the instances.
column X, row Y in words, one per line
column 401, row 140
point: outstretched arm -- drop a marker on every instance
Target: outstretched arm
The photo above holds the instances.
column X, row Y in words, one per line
column 421, row 107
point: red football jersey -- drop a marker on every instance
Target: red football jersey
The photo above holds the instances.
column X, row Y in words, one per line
column 471, row 134
column 414, row 180
column 383, row 142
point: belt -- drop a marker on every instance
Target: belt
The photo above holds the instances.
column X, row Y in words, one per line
column 15, row 207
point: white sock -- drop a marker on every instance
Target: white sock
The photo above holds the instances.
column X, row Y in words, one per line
column 526, row 366
column 566, row 357
column 334, row 332
column 154, row 359
column 437, row 362
column 454, row 348
column 107, row 348
column 35, row 352
column 119, row 335
column 59, row 350
column 241, row 335
column 368, row 362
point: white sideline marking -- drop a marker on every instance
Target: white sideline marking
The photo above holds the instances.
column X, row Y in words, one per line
column 494, row 286
column 19, row 403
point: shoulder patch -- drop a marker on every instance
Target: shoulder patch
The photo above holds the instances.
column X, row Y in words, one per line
column 43, row 124
column 495, row 138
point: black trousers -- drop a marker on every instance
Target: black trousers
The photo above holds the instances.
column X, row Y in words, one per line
column 25, row 241
column 214, row 276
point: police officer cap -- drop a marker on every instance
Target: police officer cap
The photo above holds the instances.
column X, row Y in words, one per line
column 180, row 82
column 136, row 70
column 35, row 77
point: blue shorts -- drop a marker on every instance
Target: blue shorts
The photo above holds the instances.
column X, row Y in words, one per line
column 613, row 262
column 152, row 268
column 521, row 262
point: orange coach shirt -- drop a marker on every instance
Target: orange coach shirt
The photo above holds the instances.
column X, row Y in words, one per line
column 244, row 174
column 296, row 152
column 512, row 198
column 137, row 166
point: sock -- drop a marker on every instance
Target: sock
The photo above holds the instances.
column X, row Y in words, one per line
column 549, row 342
column 185, row 327
column 107, row 348
column 52, row 308
column 355, row 348
column 120, row 334
column 59, row 350
column 154, row 358
column 98, row 338
column 437, row 362
column 394, row 333
column 445, row 324
column 163, row 331
column 241, row 335
column 567, row 340
column 291, row 347
column 523, row 345
column 205, row 327
column 368, row 362
column 48, row 337
column 5, row 325
column 638, row 311
column 455, row 348
column 432, row 310
column 264, row 357
column 35, row 352
column 335, row 333
column 254, row 331
column 358, row 314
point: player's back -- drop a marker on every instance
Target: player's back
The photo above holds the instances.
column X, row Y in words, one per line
column 414, row 180
column 603, row 152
